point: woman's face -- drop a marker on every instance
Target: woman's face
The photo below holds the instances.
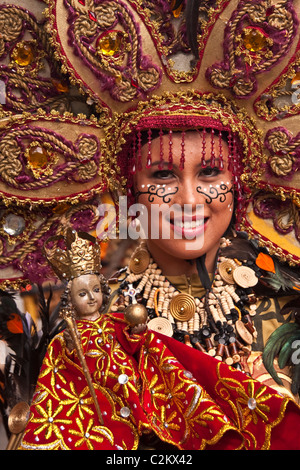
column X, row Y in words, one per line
column 187, row 210
column 86, row 296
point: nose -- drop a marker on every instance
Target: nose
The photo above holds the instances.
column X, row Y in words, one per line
column 187, row 194
column 91, row 295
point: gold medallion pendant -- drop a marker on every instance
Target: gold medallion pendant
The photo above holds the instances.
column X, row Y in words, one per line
column 183, row 307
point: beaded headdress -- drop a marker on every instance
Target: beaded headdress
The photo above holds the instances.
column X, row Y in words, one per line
column 74, row 255
column 82, row 80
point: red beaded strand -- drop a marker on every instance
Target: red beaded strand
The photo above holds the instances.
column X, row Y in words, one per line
column 221, row 162
column 133, row 156
column 149, row 157
column 139, row 156
column 212, row 149
column 203, row 160
column 161, row 151
column 182, row 157
column 170, row 164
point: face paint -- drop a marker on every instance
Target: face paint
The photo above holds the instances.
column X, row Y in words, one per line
column 184, row 184
column 157, row 191
column 219, row 192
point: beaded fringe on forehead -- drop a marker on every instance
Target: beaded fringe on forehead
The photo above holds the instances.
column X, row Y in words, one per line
column 216, row 149
column 210, row 139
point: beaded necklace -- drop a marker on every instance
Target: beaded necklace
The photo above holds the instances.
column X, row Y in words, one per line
column 217, row 323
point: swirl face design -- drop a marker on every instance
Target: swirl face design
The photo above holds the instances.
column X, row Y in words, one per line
column 214, row 193
column 158, row 191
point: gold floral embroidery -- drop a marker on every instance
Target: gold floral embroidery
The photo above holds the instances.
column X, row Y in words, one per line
column 88, row 434
column 79, row 401
column 49, row 420
column 53, row 365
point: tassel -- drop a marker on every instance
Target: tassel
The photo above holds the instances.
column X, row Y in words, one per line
column 170, row 165
column 181, row 165
column 161, row 150
column 149, row 160
column 133, row 156
column 203, row 161
column 221, row 162
column 230, row 151
column 212, row 149
column 139, row 156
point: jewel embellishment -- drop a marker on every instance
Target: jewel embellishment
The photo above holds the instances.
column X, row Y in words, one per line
column 254, row 40
column 40, row 159
column 23, row 54
column 110, row 43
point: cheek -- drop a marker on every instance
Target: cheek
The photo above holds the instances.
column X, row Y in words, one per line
column 79, row 303
column 99, row 299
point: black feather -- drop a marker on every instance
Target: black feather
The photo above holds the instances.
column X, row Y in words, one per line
column 191, row 18
column 27, row 350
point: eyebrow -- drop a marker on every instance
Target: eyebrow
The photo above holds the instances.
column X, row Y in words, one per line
column 164, row 163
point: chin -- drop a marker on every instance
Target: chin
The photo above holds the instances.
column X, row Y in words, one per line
column 183, row 249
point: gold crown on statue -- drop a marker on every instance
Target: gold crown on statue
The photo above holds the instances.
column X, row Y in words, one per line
column 80, row 254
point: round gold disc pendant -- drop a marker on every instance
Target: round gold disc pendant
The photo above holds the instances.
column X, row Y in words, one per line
column 226, row 269
column 182, row 307
column 139, row 261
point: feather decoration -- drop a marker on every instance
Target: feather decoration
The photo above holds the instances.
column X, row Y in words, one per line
column 191, row 18
column 265, row 262
column 275, row 278
column 27, row 347
column 283, row 343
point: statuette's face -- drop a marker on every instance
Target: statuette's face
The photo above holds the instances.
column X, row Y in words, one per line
column 86, row 296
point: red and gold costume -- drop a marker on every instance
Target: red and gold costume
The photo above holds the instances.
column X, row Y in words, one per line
column 83, row 80
column 150, row 382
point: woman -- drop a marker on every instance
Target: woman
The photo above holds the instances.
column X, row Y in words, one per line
column 189, row 183
column 139, row 71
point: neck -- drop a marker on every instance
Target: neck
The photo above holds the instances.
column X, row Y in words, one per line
column 172, row 266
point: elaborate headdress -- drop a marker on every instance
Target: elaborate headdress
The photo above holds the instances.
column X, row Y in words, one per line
column 75, row 254
column 85, row 78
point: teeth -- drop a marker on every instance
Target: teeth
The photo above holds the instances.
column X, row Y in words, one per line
column 188, row 225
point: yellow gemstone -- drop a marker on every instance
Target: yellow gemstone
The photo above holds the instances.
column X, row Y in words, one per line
column 38, row 157
column 60, row 85
column 60, row 208
column 254, row 40
column 24, row 54
column 110, row 43
column 296, row 79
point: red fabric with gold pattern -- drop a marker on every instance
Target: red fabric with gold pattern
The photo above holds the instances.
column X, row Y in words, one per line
column 153, row 382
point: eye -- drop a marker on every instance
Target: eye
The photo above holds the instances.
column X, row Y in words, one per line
column 210, row 171
column 97, row 289
column 82, row 294
column 163, row 174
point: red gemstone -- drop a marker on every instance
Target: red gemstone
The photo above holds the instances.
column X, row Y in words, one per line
column 92, row 16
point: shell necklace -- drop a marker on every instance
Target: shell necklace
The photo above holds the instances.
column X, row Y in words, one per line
column 218, row 323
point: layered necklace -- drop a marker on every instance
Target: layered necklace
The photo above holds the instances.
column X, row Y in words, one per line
column 218, row 323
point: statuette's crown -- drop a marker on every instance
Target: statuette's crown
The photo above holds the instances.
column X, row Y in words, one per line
column 75, row 254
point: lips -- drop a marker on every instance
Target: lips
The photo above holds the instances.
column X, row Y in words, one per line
column 189, row 227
